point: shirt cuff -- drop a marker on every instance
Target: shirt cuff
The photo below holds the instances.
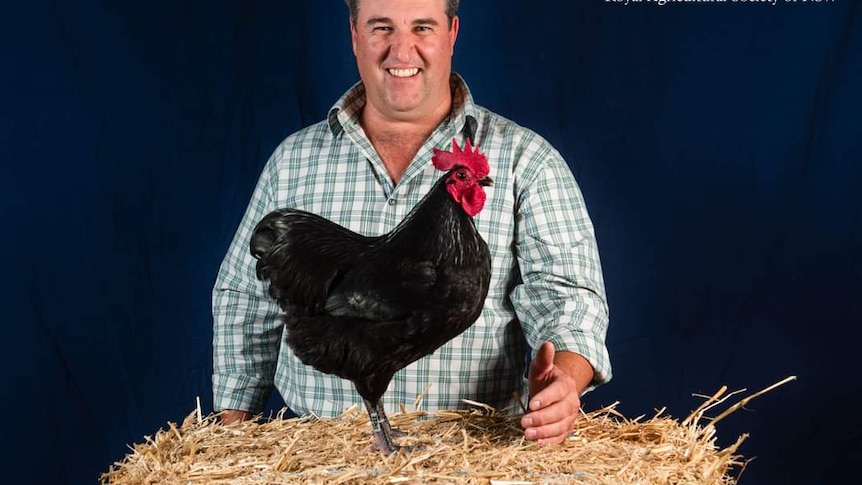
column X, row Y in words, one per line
column 240, row 392
column 590, row 348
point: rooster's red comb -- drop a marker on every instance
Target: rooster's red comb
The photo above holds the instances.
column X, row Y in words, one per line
column 468, row 157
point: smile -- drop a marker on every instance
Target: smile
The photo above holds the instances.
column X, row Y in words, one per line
column 403, row 72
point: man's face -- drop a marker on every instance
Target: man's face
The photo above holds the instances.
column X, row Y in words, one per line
column 404, row 51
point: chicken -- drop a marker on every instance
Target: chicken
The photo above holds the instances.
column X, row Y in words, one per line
column 362, row 308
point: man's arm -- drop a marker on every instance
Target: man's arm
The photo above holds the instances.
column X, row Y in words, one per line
column 560, row 302
column 246, row 327
column 576, row 366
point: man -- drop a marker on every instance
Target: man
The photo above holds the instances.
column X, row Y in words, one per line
column 365, row 167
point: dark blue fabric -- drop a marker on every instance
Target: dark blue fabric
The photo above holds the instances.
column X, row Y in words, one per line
column 717, row 145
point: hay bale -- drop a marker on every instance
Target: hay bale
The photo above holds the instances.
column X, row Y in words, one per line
column 476, row 446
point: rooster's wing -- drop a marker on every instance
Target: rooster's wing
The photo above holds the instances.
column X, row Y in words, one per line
column 303, row 254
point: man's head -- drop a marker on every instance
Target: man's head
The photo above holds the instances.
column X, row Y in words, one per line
column 404, row 53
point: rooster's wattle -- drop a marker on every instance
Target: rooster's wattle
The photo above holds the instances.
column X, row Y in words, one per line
column 363, row 308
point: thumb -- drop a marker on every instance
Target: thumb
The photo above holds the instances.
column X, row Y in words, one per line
column 544, row 358
column 541, row 367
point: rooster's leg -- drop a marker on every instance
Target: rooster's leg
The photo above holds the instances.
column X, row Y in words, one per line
column 393, row 432
column 380, row 428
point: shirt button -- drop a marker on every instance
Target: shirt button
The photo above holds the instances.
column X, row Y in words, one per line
column 391, row 202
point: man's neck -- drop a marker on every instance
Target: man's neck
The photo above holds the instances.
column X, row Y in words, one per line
column 397, row 141
column 378, row 126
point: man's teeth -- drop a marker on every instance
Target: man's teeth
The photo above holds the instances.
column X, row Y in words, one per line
column 404, row 72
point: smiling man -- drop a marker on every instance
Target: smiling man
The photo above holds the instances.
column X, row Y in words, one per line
column 365, row 167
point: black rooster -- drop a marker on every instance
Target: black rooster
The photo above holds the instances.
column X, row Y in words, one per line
column 363, row 308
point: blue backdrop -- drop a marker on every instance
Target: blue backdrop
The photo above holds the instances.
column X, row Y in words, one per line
column 717, row 145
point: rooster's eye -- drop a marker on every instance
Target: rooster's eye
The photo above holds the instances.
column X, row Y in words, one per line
column 461, row 175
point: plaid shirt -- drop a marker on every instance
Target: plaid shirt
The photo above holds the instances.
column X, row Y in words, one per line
column 546, row 282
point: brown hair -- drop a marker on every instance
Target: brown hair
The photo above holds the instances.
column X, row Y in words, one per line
column 451, row 9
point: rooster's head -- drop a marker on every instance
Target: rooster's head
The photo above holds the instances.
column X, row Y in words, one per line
column 467, row 175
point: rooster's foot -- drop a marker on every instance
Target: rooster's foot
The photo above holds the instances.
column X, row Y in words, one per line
column 386, row 447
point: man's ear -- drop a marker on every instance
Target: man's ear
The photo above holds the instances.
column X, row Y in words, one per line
column 352, row 23
column 453, row 32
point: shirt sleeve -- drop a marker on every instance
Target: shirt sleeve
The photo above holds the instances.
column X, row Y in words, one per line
column 246, row 325
column 561, row 296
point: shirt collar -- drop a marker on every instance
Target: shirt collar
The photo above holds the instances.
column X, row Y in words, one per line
column 348, row 108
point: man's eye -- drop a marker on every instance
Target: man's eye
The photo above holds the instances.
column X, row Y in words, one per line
column 382, row 28
column 423, row 28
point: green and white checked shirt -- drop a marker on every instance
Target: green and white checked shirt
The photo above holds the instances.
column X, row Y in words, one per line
column 546, row 281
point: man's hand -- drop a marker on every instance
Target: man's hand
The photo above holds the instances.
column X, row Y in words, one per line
column 556, row 382
column 230, row 416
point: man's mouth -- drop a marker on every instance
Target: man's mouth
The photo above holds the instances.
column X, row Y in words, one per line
column 403, row 72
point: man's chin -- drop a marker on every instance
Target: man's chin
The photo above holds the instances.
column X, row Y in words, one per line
column 403, row 99
column 403, row 106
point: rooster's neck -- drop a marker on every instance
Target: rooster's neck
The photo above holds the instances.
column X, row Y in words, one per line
column 439, row 227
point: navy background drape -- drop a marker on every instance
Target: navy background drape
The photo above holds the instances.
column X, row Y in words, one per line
column 717, row 145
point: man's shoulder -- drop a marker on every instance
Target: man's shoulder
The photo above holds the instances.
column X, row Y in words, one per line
column 304, row 140
column 496, row 126
column 486, row 116
column 312, row 133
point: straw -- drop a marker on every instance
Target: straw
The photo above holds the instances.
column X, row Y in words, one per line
column 477, row 445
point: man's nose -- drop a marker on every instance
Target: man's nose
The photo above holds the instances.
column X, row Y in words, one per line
column 402, row 46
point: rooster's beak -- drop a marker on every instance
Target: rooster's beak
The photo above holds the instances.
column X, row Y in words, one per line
column 486, row 182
